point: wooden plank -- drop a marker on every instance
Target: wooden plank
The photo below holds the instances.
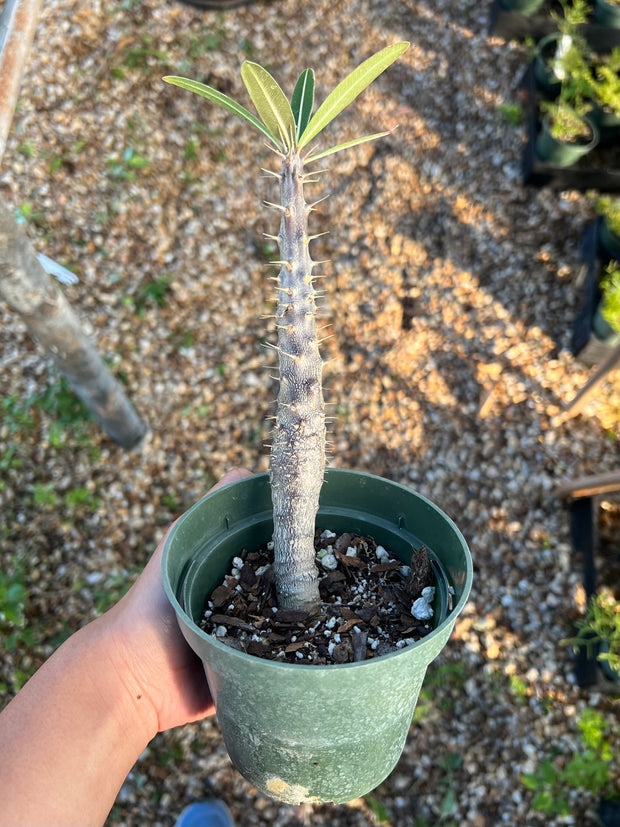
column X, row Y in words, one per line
column 590, row 486
column 608, row 364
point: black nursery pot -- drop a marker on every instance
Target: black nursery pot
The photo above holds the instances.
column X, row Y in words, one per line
column 609, row 812
column 301, row 732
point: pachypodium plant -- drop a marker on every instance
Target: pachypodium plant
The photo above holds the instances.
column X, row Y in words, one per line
column 297, row 461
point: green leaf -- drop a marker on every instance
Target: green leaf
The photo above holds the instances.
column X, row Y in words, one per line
column 381, row 814
column 531, row 781
column 547, row 772
column 448, row 805
column 348, row 89
column 346, row 145
column 544, row 802
column 270, row 101
column 213, row 95
column 303, row 100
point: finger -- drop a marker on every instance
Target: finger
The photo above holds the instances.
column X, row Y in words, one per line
column 234, row 475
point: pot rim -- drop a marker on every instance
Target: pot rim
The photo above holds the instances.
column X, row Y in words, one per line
column 445, row 625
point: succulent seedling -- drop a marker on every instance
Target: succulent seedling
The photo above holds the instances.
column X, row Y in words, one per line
column 298, row 451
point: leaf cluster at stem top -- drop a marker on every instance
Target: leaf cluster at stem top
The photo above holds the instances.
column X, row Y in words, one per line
column 291, row 126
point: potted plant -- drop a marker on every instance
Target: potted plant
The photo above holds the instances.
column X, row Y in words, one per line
column 599, row 631
column 566, row 135
column 560, row 53
column 605, row 85
column 608, row 208
column 311, row 731
column 567, row 131
column 606, row 322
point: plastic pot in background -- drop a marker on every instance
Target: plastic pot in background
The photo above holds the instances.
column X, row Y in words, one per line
column 526, row 7
column 314, row 733
column 561, row 154
column 603, row 330
column 609, row 812
column 544, row 72
column 606, row 121
column 607, row 14
column 609, row 240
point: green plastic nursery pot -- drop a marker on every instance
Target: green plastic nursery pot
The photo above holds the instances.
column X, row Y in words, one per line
column 607, row 14
column 302, row 732
column 603, row 330
column 609, row 239
column 561, row 154
column 543, row 63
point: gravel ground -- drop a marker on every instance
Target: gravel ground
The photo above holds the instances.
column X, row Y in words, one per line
column 451, row 293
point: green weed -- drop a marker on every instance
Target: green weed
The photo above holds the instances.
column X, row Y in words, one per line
column 210, row 40
column 139, row 56
column 519, row 689
column 450, row 763
column 154, row 292
column 171, row 502
column 190, row 152
column 451, row 675
column 512, row 113
column 10, row 459
column 379, row 811
column 13, row 624
column 26, row 149
column 16, row 414
column 57, row 400
column 44, row 494
column 587, row 769
column 81, row 497
column 127, row 166
column 114, row 587
column 25, row 214
column 173, row 753
column 61, row 403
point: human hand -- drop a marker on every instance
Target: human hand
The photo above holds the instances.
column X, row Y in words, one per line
column 150, row 654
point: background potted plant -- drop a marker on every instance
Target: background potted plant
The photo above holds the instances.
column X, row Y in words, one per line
column 606, row 322
column 566, row 134
column 308, row 732
column 567, row 131
column 550, row 67
column 605, row 84
column 599, row 631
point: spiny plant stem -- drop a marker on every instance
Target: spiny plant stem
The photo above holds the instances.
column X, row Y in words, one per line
column 298, row 450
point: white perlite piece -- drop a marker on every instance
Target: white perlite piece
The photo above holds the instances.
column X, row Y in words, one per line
column 422, row 609
column 329, row 562
column 382, row 554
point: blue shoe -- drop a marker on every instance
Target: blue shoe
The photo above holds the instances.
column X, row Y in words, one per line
column 211, row 813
